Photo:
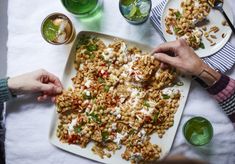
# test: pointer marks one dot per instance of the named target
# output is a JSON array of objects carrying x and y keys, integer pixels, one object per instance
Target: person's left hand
[{"x": 39, "y": 81}]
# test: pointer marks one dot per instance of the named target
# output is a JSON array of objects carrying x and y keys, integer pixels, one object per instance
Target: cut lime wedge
[{"x": 133, "y": 11}]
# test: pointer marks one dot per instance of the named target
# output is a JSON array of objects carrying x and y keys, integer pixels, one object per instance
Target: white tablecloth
[{"x": 27, "y": 121}]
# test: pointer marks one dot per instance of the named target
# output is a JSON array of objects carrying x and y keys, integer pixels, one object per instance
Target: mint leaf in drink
[
  {"x": 50, "y": 30},
  {"x": 133, "y": 11}
]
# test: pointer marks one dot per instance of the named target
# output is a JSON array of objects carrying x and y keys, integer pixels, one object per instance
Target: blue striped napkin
[{"x": 223, "y": 60}]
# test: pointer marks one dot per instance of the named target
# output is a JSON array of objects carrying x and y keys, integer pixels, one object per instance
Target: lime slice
[
  {"x": 50, "y": 30},
  {"x": 133, "y": 11}
]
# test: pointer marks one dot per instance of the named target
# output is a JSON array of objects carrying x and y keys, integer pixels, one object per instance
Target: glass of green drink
[
  {"x": 198, "y": 131},
  {"x": 58, "y": 29},
  {"x": 82, "y": 8},
  {"x": 135, "y": 11}
]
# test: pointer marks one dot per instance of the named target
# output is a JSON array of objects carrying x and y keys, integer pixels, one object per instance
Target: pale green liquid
[
  {"x": 198, "y": 131},
  {"x": 80, "y": 7}
]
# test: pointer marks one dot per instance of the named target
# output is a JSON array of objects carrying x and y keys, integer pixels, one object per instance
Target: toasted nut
[
  {"x": 213, "y": 44},
  {"x": 213, "y": 36},
  {"x": 224, "y": 35}
]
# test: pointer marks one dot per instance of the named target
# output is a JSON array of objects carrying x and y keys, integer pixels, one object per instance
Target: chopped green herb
[
  {"x": 138, "y": 94},
  {"x": 179, "y": 83},
  {"x": 92, "y": 56},
  {"x": 155, "y": 117},
  {"x": 92, "y": 47},
  {"x": 165, "y": 96},
  {"x": 87, "y": 52},
  {"x": 131, "y": 132},
  {"x": 106, "y": 88},
  {"x": 105, "y": 135},
  {"x": 83, "y": 40},
  {"x": 201, "y": 45},
  {"x": 100, "y": 108},
  {"x": 78, "y": 128},
  {"x": 101, "y": 80},
  {"x": 146, "y": 104},
  {"x": 178, "y": 15},
  {"x": 176, "y": 30},
  {"x": 95, "y": 117}
]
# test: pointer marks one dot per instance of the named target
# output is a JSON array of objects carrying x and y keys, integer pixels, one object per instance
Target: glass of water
[
  {"x": 82, "y": 8},
  {"x": 198, "y": 131},
  {"x": 135, "y": 11}
]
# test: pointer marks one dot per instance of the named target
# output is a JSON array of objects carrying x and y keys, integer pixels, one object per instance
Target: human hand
[
  {"x": 180, "y": 55},
  {"x": 39, "y": 81}
]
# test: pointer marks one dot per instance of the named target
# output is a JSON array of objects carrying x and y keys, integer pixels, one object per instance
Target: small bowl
[{"x": 54, "y": 16}]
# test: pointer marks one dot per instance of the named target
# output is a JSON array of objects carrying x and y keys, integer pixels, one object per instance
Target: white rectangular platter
[{"x": 165, "y": 143}]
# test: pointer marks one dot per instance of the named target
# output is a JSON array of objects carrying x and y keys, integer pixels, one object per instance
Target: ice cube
[{"x": 144, "y": 7}]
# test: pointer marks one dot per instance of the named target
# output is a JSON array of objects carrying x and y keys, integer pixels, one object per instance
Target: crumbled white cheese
[
  {"x": 170, "y": 91},
  {"x": 108, "y": 52},
  {"x": 114, "y": 126},
  {"x": 142, "y": 134},
  {"x": 81, "y": 66},
  {"x": 119, "y": 137},
  {"x": 117, "y": 111},
  {"x": 147, "y": 112},
  {"x": 123, "y": 47},
  {"x": 122, "y": 98},
  {"x": 136, "y": 157},
  {"x": 88, "y": 83},
  {"x": 71, "y": 126},
  {"x": 102, "y": 71},
  {"x": 118, "y": 116},
  {"x": 88, "y": 93},
  {"x": 88, "y": 110}
]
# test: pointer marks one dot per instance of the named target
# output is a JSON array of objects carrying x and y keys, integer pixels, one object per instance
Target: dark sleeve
[
  {"x": 5, "y": 93},
  {"x": 224, "y": 92}
]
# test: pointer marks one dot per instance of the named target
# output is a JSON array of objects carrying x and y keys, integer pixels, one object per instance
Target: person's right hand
[{"x": 181, "y": 56}]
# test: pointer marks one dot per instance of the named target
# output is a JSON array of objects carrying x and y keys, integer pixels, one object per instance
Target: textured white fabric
[{"x": 28, "y": 122}]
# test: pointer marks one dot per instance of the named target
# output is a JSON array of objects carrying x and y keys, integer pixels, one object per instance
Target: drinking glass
[
  {"x": 135, "y": 11},
  {"x": 198, "y": 131},
  {"x": 58, "y": 29},
  {"x": 82, "y": 8}
]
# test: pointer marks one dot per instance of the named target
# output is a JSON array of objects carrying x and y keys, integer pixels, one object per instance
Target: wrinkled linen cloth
[{"x": 28, "y": 122}]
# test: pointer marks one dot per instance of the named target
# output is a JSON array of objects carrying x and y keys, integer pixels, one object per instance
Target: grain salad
[
  {"x": 119, "y": 98},
  {"x": 183, "y": 22}
]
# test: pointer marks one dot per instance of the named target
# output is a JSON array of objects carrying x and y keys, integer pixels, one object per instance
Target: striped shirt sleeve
[{"x": 224, "y": 92}]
